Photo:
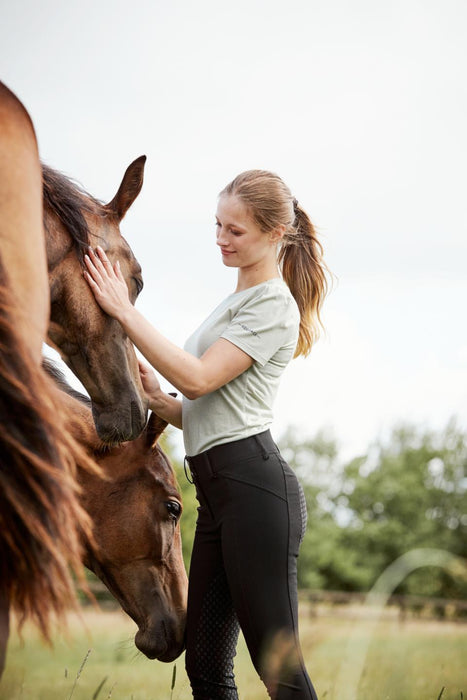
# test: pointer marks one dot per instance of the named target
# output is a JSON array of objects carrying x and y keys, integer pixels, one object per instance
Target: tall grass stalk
[
  {"x": 111, "y": 691},
  {"x": 79, "y": 673},
  {"x": 99, "y": 688},
  {"x": 174, "y": 676}
]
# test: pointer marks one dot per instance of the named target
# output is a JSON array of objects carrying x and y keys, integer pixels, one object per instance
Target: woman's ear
[{"x": 277, "y": 234}]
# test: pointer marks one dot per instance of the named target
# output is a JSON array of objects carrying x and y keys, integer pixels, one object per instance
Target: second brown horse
[{"x": 135, "y": 511}]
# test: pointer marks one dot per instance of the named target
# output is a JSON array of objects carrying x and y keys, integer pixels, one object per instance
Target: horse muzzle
[
  {"x": 164, "y": 641},
  {"x": 116, "y": 424}
]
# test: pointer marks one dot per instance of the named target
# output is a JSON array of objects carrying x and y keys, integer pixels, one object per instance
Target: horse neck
[{"x": 80, "y": 423}]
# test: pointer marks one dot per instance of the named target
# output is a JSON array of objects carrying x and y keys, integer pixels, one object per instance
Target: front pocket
[{"x": 265, "y": 474}]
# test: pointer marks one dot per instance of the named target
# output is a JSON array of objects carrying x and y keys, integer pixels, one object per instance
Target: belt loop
[
  {"x": 185, "y": 462},
  {"x": 264, "y": 452}
]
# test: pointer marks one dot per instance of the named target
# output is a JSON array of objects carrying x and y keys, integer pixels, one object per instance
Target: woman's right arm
[{"x": 192, "y": 376}]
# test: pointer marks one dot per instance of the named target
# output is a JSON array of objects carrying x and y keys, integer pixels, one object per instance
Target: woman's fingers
[
  {"x": 118, "y": 272},
  {"x": 110, "y": 289},
  {"x": 100, "y": 266},
  {"x": 98, "y": 260},
  {"x": 102, "y": 263},
  {"x": 93, "y": 271},
  {"x": 90, "y": 280},
  {"x": 103, "y": 259}
]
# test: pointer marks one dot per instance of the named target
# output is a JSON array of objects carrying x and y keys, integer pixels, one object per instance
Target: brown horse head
[
  {"x": 91, "y": 343},
  {"x": 135, "y": 507},
  {"x": 135, "y": 513}
]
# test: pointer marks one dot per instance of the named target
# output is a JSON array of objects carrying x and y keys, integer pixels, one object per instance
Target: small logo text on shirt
[{"x": 250, "y": 330}]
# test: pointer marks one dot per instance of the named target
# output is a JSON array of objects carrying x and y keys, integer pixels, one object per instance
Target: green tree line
[{"x": 406, "y": 491}]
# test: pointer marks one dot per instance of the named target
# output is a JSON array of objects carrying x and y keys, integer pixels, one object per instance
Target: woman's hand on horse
[
  {"x": 107, "y": 283},
  {"x": 166, "y": 406},
  {"x": 149, "y": 380}
]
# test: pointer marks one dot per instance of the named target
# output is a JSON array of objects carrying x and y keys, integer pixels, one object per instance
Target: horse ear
[
  {"x": 129, "y": 189},
  {"x": 156, "y": 426},
  {"x": 154, "y": 429}
]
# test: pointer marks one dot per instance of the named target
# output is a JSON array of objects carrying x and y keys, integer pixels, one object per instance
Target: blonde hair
[{"x": 300, "y": 258}]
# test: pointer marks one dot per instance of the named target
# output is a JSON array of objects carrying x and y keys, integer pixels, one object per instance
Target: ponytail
[{"x": 301, "y": 263}]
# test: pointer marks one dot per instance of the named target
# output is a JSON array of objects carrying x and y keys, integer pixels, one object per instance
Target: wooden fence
[{"x": 407, "y": 605}]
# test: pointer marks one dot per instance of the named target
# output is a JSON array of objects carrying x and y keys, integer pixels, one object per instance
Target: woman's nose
[{"x": 220, "y": 236}]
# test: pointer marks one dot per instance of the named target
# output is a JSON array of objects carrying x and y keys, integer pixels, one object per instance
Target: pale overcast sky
[{"x": 360, "y": 106}]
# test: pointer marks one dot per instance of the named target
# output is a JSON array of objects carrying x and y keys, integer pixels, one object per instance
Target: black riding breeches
[{"x": 243, "y": 571}]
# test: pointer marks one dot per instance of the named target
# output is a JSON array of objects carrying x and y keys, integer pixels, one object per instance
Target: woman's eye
[{"x": 174, "y": 509}]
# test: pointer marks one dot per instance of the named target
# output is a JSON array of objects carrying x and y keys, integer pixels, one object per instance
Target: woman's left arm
[{"x": 192, "y": 376}]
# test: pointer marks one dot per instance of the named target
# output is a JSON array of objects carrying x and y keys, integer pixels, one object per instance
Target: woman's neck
[{"x": 250, "y": 277}]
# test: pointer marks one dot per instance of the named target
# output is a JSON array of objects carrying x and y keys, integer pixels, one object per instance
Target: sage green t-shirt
[{"x": 262, "y": 321}]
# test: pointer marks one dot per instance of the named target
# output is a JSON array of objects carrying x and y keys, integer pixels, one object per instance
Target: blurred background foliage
[{"x": 408, "y": 490}]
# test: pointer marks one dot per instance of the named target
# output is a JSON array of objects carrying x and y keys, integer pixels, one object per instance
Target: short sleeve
[{"x": 264, "y": 323}]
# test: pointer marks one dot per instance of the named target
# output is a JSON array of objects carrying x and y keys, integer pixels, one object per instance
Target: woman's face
[{"x": 241, "y": 241}]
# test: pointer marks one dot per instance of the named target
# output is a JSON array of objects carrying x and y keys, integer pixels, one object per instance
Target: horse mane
[
  {"x": 59, "y": 378},
  {"x": 67, "y": 200},
  {"x": 41, "y": 518}
]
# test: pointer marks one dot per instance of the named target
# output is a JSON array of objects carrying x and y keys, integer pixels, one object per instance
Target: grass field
[{"x": 412, "y": 660}]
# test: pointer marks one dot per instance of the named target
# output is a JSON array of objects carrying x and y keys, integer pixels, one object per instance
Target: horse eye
[
  {"x": 174, "y": 508},
  {"x": 139, "y": 284}
]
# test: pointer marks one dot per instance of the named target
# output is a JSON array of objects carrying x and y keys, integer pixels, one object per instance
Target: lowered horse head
[
  {"x": 91, "y": 343},
  {"x": 135, "y": 511}
]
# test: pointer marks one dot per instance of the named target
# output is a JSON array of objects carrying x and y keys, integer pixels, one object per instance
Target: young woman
[{"x": 252, "y": 513}]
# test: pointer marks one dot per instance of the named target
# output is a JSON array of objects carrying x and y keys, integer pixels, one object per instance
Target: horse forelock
[{"x": 68, "y": 201}]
